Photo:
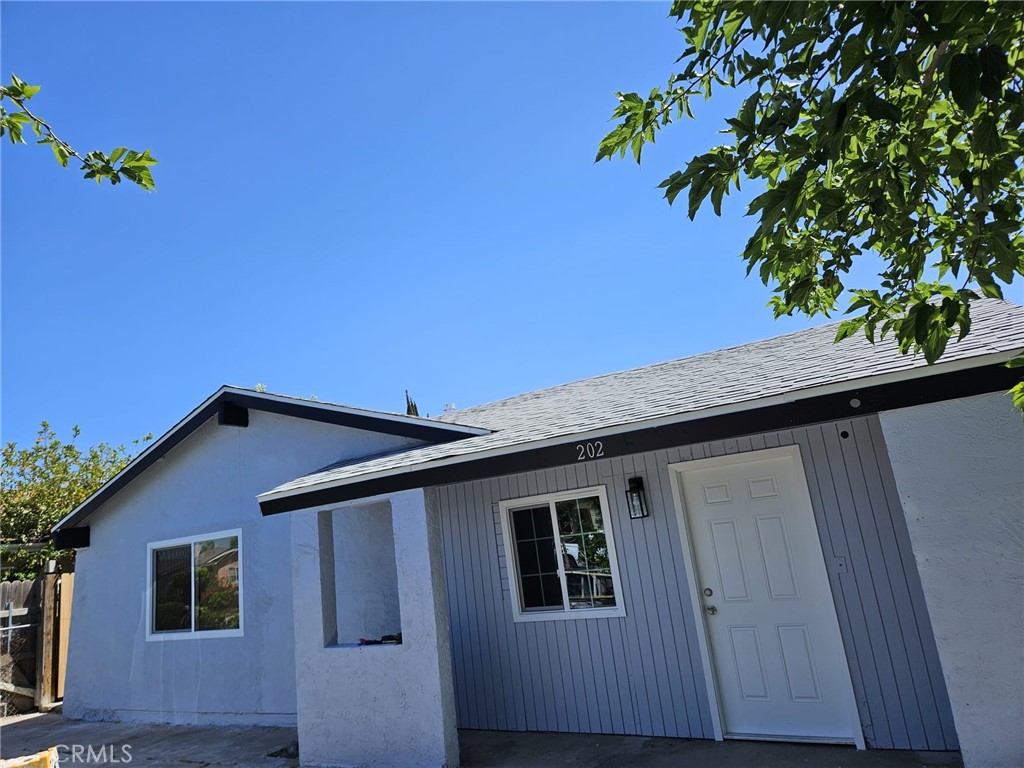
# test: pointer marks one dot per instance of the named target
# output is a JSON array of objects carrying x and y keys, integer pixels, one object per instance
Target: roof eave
[
  {"x": 357, "y": 418},
  {"x": 274, "y": 501}
]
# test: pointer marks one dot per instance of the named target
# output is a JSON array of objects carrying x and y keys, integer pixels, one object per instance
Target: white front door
[{"x": 775, "y": 647}]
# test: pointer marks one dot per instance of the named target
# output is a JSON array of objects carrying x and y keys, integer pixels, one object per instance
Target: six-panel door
[{"x": 775, "y": 643}]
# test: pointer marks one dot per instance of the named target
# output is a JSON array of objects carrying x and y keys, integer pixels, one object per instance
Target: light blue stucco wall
[
  {"x": 373, "y": 706},
  {"x": 959, "y": 468},
  {"x": 207, "y": 483}
]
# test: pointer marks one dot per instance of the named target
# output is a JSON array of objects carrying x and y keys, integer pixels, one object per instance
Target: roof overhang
[
  {"x": 916, "y": 386},
  {"x": 232, "y": 404}
]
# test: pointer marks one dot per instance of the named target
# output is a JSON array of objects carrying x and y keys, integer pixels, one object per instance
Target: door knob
[{"x": 710, "y": 610}]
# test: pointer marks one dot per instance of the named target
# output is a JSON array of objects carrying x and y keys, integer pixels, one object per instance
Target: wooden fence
[{"x": 35, "y": 618}]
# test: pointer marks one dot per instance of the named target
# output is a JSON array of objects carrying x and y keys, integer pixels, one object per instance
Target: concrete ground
[
  {"x": 496, "y": 749},
  {"x": 177, "y": 746},
  {"x": 167, "y": 746}
]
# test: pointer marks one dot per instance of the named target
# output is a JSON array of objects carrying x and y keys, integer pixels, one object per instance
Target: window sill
[
  {"x": 362, "y": 646},
  {"x": 207, "y": 635},
  {"x": 619, "y": 612}
]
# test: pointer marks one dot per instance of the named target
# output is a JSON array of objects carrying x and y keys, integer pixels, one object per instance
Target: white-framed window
[
  {"x": 561, "y": 556},
  {"x": 194, "y": 586}
]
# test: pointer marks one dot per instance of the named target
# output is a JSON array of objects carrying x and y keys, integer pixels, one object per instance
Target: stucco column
[
  {"x": 376, "y": 705},
  {"x": 959, "y": 468}
]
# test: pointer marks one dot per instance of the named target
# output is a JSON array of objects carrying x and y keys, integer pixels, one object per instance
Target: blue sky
[{"x": 352, "y": 200}]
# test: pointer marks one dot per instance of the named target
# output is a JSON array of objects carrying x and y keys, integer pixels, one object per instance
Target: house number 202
[{"x": 593, "y": 450}]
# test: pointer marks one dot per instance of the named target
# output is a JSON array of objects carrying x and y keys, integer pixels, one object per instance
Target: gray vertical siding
[{"x": 642, "y": 674}]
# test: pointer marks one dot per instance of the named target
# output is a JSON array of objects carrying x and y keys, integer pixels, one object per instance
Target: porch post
[{"x": 372, "y": 705}]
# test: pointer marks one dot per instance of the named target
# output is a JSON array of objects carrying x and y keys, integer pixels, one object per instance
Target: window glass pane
[
  {"x": 522, "y": 521},
  {"x": 594, "y": 552},
  {"x": 568, "y": 518},
  {"x": 528, "y": 562},
  {"x": 579, "y": 515},
  {"x": 552, "y": 590},
  {"x": 591, "y": 518},
  {"x": 172, "y": 589},
  {"x": 571, "y": 553},
  {"x": 590, "y": 585},
  {"x": 547, "y": 556},
  {"x": 533, "y": 592},
  {"x": 536, "y": 558},
  {"x": 216, "y": 578},
  {"x": 542, "y": 522}
]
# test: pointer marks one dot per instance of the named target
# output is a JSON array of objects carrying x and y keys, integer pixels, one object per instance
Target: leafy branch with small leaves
[
  {"x": 42, "y": 483},
  {"x": 894, "y": 128},
  {"x": 121, "y": 164}
]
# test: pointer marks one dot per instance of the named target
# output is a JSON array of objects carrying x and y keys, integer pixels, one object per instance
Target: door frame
[{"x": 676, "y": 471}]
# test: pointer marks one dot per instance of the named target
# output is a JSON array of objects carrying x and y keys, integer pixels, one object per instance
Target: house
[
  {"x": 145, "y": 644},
  {"x": 785, "y": 540}
]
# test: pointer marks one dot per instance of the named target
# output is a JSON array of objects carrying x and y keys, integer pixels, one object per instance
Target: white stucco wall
[
  {"x": 365, "y": 574},
  {"x": 207, "y": 483},
  {"x": 376, "y": 706},
  {"x": 959, "y": 468}
]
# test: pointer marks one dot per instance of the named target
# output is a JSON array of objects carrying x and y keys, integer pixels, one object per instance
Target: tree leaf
[
  {"x": 848, "y": 328},
  {"x": 60, "y": 153},
  {"x": 994, "y": 69},
  {"x": 717, "y": 192},
  {"x": 1017, "y": 395},
  {"x": 985, "y": 138},
  {"x": 965, "y": 80},
  {"x": 829, "y": 201},
  {"x": 988, "y": 286},
  {"x": 673, "y": 185},
  {"x": 879, "y": 109}
]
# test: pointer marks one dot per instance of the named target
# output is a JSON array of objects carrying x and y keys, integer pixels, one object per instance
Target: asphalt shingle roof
[{"x": 749, "y": 373}]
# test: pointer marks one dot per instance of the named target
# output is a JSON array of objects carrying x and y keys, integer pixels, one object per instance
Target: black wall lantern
[{"x": 635, "y": 498}]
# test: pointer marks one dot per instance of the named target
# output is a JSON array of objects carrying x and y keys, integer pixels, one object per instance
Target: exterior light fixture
[{"x": 635, "y": 498}]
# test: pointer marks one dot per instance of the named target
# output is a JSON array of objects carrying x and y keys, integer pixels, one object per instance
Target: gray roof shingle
[{"x": 746, "y": 374}]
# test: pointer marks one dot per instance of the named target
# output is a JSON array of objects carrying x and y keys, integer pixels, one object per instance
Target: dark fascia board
[
  {"x": 71, "y": 538},
  {"x": 415, "y": 428},
  {"x": 815, "y": 410},
  {"x": 232, "y": 401}
]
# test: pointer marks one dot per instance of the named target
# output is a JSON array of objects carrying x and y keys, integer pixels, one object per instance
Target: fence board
[
  {"x": 67, "y": 589},
  {"x": 23, "y": 596},
  {"x": 33, "y": 656}
]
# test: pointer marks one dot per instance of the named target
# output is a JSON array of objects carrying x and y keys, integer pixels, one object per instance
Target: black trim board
[
  {"x": 232, "y": 415},
  {"x": 229, "y": 408},
  {"x": 72, "y": 538},
  {"x": 314, "y": 412},
  {"x": 813, "y": 410}
]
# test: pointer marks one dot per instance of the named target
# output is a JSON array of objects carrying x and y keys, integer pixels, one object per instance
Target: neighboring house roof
[
  {"x": 784, "y": 369},
  {"x": 233, "y": 401}
]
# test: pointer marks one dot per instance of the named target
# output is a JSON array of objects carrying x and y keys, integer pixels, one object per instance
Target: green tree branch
[
  {"x": 894, "y": 128},
  {"x": 121, "y": 163},
  {"x": 41, "y": 484}
]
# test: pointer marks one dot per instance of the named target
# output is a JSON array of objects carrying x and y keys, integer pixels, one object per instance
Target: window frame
[
  {"x": 519, "y": 614},
  {"x": 192, "y": 633}
]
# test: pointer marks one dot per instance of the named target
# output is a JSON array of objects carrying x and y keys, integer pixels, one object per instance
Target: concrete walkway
[
  {"x": 177, "y": 746},
  {"x": 495, "y": 749},
  {"x": 167, "y": 746}
]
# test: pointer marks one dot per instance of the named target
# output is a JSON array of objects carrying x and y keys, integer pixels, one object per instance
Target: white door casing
[{"x": 773, "y": 653}]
